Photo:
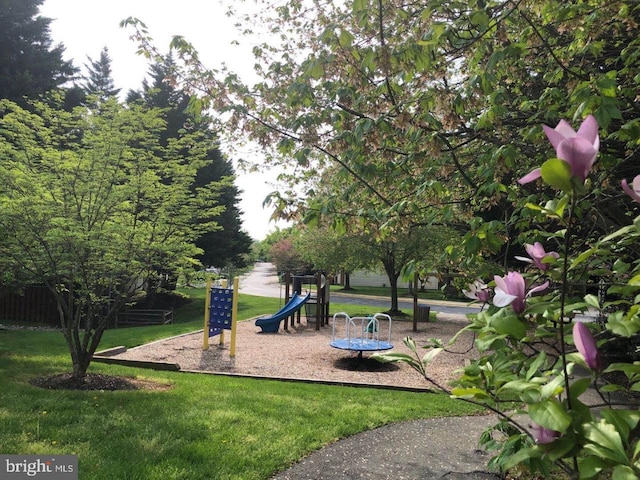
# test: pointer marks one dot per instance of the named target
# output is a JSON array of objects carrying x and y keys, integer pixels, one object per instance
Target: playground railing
[{"x": 357, "y": 331}]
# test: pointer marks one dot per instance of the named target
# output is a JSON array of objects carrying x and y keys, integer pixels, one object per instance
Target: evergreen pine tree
[
  {"x": 98, "y": 83},
  {"x": 29, "y": 64},
  {"x": 229, "y": 244}
]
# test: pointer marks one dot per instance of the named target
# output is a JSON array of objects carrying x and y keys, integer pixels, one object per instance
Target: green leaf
[
  {"x": 623, "y": 420},
  {"x": 624, "y": 327},
  {"x": 533, "y": 206},
  {"x": 557, "y": 207},
  {"x": 557, "y": 173},
  {"x": 628, "y": 368},
  {"x": 591, "y": 466},
  {"x": 607, "y": 84},
  {"x": 393, "y": 357},
  {"x": 539, "y": 363},
  {"x": 561, "y": 447},
  {"x": 550, "y": 414},
  {"x": 410, "y": 343},
  {"x": 469, "y": 393},
  {"x": 576, "y": 358},
  {"x": 495, "y": 58},
  {"x": 578, "y": 387},
  {"x": 315, "y": 69},
  {"x": 479, "y": 18},
  {"x": 521, "y": 456},
  {"x": 553, "y": 388},
  {"x": 531, "y": 396},
  {"x": 583, "y": 256},
  {"x": 430, "y": 355},
  {"x": 489, "y": 341},
  {"x": 622, "y": 231},
  {"x": 345, "y": 39},
  {"x": 509, "y": 325},
  {"x": 609, "y": 388},
  {"x": 624, "y": 472},
  {"x": 605, "y": 442},
  {"x": 592, "y": 301},
  {"x": 359, "y": 5},
  {"x": 518, "y": 386},
  {"x": 620, "y": 266}
]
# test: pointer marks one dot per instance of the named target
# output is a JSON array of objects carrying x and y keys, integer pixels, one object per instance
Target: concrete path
[
  {"x": 439, "y": 448},
  {"x": 262, "y": 281}
]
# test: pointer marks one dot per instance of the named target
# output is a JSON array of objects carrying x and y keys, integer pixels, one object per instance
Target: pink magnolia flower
[
  {"x": 634, "y": 190},
  {"x": 511, "y": 290},
  {"x": 478, "y": 290},
  {"x": 543, "y": 435},
  {"x": 586, "y": 345},
  {"x": 579, "y": 149},
  {"x": 537, "y": 254}
]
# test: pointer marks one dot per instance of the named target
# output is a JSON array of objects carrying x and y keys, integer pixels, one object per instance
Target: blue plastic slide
[{"x": 272, "y": 324}]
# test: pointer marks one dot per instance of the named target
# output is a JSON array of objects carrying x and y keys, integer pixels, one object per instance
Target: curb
[{"x": 173, "y": 367}]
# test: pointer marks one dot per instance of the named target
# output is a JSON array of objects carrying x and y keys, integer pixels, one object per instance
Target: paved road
[{"x": 263, "y": 281}]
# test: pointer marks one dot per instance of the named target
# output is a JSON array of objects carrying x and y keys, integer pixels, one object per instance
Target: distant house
[{"x": 366, "y": 278}]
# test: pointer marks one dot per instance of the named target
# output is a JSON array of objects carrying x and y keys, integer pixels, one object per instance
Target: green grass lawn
[{"x": 204, "y": 427}]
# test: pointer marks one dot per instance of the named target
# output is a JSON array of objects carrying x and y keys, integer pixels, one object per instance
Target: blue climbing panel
[{"x": 220, "y": 310}]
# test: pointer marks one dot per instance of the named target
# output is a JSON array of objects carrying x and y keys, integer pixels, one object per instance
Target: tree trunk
[
  {"x": 389, "y": 263},
  {"x": 393, "y": 281},
  {"x": 83, "y": 346},
  {"x": 347, "y": 281},
  {"x": 83, "y": 324},
  {"x": 81, "y": 365}
]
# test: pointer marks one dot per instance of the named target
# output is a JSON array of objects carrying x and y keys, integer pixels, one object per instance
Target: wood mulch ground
[{"x": 302, "y": 352}]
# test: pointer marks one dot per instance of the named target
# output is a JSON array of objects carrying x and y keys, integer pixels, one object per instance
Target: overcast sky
[{"x": 86, "y": 26}]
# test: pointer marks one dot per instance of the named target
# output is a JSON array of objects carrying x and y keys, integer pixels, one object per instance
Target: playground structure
[
  {"x": 319, "y": 298},
  {"x": 316, "y": 295},
  {"x": 272, "y": 324},
  {"x": 221, "y": 312},
  {"x": 360, "y": 334}
]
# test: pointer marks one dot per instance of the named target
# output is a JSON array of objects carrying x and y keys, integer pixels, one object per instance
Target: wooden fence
[
  {"x": 35, "y": 304},
  {"x": 139, "y": 317}
]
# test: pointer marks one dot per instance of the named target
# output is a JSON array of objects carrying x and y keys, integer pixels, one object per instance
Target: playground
[{"x": 302, "y": 352}]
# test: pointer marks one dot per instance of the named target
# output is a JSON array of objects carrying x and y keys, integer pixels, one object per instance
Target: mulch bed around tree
[{"x": 96, "y": 381}]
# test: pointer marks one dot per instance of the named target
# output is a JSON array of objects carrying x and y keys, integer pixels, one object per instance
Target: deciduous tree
[
  {"x": 433, "y": 108},
  {"x": 335, "y": 252},
  {"x": 91, "y": 206}
]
